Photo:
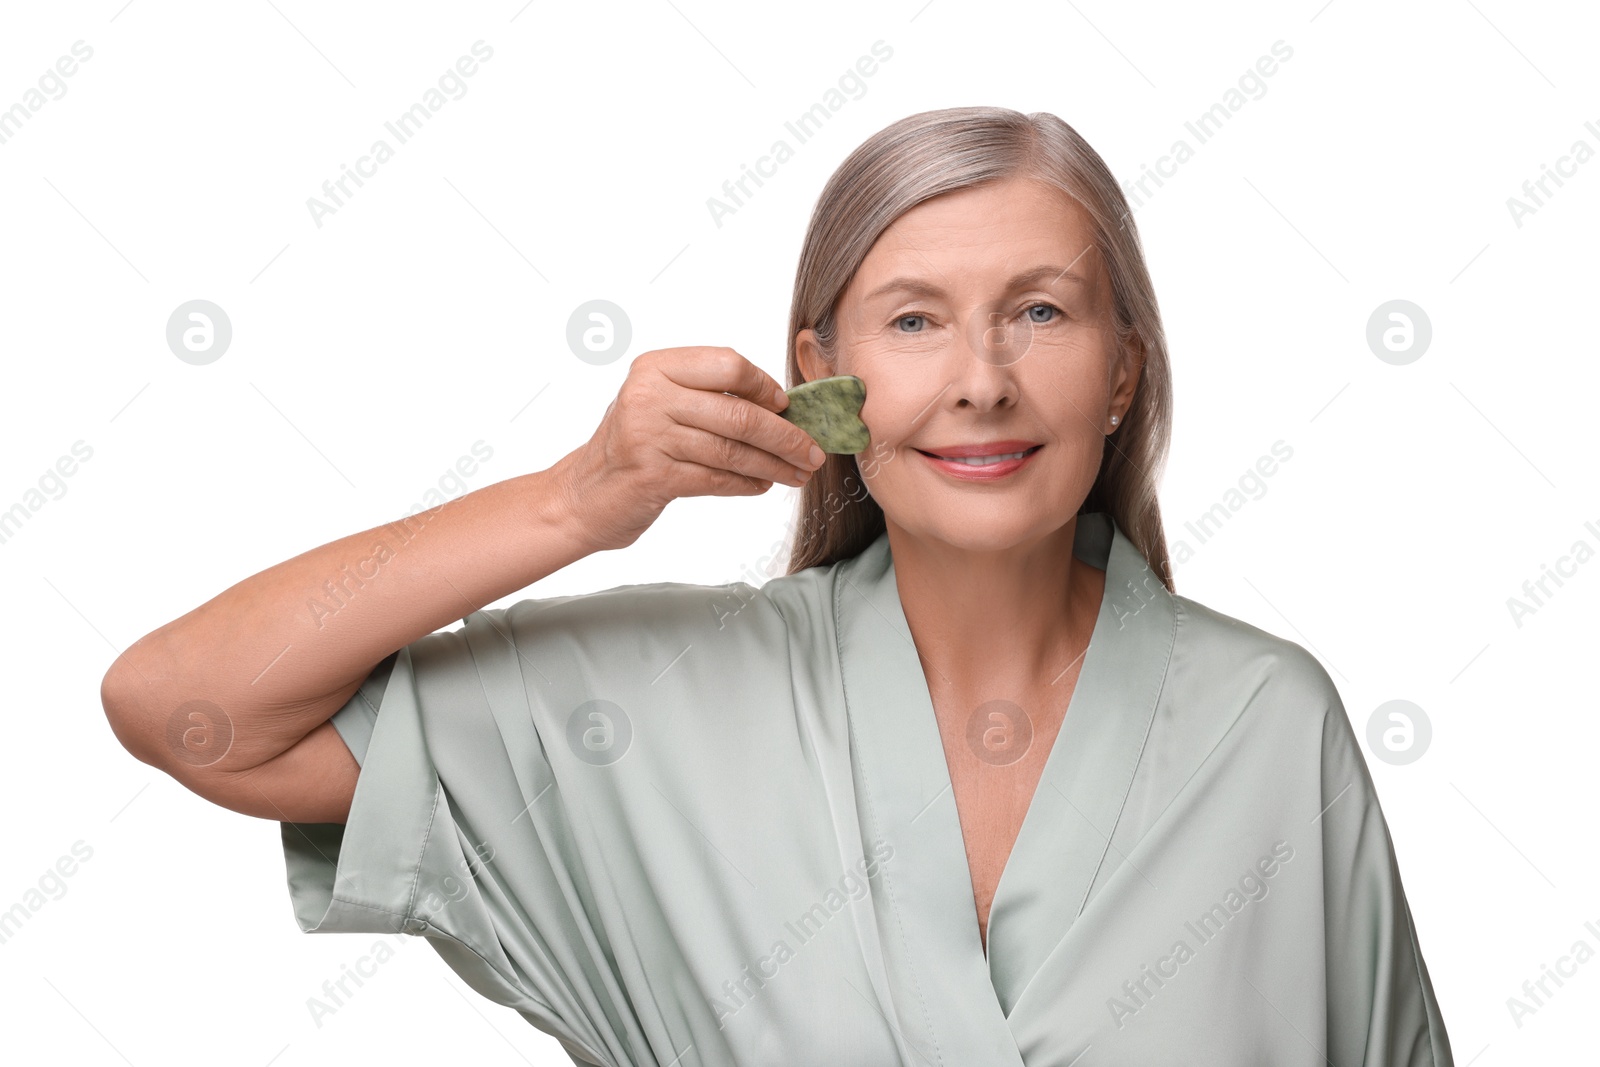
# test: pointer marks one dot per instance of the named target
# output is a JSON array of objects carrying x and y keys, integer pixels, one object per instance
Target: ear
[
  {"x": 1125, "y": 376},
  {"x": 808, "y": 354}
]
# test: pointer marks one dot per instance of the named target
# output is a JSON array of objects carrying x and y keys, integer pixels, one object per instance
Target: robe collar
[{"x": 960, "y": 998}]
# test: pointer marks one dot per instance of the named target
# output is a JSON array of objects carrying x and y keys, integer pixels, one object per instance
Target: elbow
[
  {"x": 126, "y": 698},
  {"x": 161, "y": 729}
]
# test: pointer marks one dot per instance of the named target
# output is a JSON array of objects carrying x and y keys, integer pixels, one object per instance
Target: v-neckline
[
  {"x": 907, "y": 795},
  {"x": 1050, "y": 760}
]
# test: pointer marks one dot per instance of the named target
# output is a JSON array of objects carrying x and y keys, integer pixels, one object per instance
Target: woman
[{"x": 970, "y": 784}]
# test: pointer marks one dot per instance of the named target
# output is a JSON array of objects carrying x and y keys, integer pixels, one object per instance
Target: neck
[{"x": 1000, "y": 621}]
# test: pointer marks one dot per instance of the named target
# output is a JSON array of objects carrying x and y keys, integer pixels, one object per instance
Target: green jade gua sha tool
[{"x": 829, "y": 409}]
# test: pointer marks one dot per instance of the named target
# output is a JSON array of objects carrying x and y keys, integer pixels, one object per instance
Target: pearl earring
[{"x": 1114, "y": 419}]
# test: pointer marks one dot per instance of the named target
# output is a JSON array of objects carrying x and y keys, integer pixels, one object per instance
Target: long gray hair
[{"x": 934, "y": 152}]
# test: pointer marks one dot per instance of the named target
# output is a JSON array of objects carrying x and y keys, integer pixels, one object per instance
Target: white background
[{"x": 369, "y": 354}]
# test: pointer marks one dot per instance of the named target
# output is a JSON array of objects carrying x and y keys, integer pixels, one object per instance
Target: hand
[{"x": 673, "y": 430}]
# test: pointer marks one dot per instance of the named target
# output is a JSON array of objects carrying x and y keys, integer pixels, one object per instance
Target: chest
[{"x": 995, "y": 751}]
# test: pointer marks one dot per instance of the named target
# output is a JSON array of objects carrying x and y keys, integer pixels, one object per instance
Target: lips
[
  {"x": 987, "y": 448},
  {"x": 988, "y": 466},
  {"x": 990, "y": 460}
]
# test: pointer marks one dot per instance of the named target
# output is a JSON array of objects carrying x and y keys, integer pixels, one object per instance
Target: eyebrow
[{"x": 920, "y": 287}]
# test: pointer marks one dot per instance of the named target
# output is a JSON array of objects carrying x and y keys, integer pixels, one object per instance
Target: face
[{"x": 982, "y": 318}]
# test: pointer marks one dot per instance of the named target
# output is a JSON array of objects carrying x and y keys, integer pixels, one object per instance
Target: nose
[{"x": 983, "y": 370}]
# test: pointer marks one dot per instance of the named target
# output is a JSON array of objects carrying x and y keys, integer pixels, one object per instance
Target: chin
[{"x": 985, "y": 529}]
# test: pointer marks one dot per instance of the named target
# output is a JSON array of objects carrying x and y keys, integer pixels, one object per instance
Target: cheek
[
  {"x": 892, "y": 407},
  {"x": 892, "y": 398},
  {"x": 1067, "y": 375}
]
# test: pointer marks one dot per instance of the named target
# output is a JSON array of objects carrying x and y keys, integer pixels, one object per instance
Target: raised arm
[{"x": 233, "y": 698}]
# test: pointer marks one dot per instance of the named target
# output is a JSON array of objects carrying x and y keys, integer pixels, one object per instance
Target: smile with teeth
[{"x": 984, "y": 461}]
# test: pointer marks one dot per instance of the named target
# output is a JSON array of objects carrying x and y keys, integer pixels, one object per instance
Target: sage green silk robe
[{"x": 708, "y": 825}]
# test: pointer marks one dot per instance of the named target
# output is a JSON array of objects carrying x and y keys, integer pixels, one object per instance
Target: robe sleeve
[
  {"x": 1381, "y": 1006},
  {"x": 457, "y": 834}
]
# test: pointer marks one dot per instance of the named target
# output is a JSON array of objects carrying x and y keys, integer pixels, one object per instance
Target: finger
[
  {"x": 722, "y": 370},
  {"x": 692, "y": 445},
  {"x": 714, "y": 481},
  {"x": 736, "y": 419},
  {"x": 727, "y": 483}
]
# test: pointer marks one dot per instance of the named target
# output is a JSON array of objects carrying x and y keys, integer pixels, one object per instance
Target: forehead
[{"x": 992, "y": 228}]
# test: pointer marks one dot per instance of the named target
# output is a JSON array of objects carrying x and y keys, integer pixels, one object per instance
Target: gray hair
[{"x": 922, "y": 156}]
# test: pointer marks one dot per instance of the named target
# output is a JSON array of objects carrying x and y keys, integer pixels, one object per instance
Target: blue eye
[
  {"x": 1050, "y": 307},
  {"x": 903, "y": 318}
]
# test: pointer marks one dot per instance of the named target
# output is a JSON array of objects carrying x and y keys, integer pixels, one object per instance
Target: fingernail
[{"x": 817, "y": 455}]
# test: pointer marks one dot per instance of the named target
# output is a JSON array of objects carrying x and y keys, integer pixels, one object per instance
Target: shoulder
[
  {"x": 1234, "y": 653},
  {"x": 648, "y": 603},
  {"x": 683, "y": 610}
]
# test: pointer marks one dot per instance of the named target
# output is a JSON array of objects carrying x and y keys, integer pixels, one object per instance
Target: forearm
[{"x": 282, "y": 650}]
